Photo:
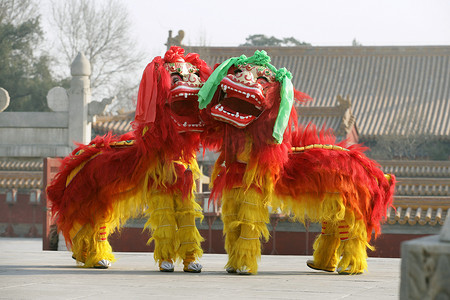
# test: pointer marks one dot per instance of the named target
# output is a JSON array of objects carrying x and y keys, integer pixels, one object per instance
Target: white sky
[{"x": 319, "y": 22}]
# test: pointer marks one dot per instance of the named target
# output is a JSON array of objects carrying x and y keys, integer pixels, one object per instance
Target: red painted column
[{"x": 51, "y": 168}]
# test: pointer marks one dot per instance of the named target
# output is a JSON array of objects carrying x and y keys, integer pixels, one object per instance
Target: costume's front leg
[
  {"x": 231, "y": 228},
  {"x": 162, "y": 223},
  {"x": 252, "y": 218},
  {"x": 353, "y": 248},
  {"x": 325, "y": 248},
  {"x": 190, "y": 250},
  {"x": 90, "y": 244}
]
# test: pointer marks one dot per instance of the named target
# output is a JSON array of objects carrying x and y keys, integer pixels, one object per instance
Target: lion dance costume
[
  {"x": 150, "y": 170},
  {"x": 267, "y": 160}
]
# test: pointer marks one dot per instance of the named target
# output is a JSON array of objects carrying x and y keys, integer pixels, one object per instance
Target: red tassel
[{"x": 188, "y": 182}]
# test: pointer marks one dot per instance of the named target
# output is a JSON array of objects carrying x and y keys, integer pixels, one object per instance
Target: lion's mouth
[
  {"x": 184, "y": 110},
  {"x": 239, "y": 104}
]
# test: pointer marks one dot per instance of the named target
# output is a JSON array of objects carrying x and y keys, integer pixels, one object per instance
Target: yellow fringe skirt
[
  {"x": 245, "y": 217},
  {"x": 171, "y": 221}
]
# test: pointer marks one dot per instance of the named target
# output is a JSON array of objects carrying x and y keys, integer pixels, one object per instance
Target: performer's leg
[
  {"x": 190, "y": 250},
  {"x": 162, "y": 223},
  {"x": 325, "y": 246},
  {"x": 90, "y": 245},
  {"x": 231, "y": 229},
  {"x": 252, "y": 218},
  {"x": 79, "y": 246},
  {"x": 353, "y": 236}
]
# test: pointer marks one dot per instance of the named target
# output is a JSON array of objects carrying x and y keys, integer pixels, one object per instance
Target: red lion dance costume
[
  {"x": 267, "y": 161},
  {"x": 151, "y": 170}
]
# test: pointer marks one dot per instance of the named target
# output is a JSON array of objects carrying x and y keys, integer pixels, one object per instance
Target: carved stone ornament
[
  {"x": 57, "y": 99},
  {"x": 4, "y": 99}
]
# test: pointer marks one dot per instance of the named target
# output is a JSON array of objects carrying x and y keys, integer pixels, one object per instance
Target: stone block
[{"x": 425, "y": 269}]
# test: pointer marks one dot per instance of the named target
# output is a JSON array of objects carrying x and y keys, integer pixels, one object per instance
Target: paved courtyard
[{"x": 27, "y": 272}]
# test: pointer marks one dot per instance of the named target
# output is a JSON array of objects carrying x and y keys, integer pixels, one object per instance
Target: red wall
[
  {"x": 22, "y": 212},
  {"x": 287, "y": 243},
  {"x": 134, "y": 240}
]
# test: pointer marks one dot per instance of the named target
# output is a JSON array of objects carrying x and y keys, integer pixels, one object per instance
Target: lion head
[
  {"x": 168, "y": 90},
  {"x": 250, "y": 97},
  {"x": 167, "y": 106}
]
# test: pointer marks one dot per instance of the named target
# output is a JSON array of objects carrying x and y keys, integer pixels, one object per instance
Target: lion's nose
[{"x": 192, "y": 78}]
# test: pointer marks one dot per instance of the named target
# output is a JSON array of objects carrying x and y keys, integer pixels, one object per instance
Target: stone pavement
[{"x": 27, "y": 272}]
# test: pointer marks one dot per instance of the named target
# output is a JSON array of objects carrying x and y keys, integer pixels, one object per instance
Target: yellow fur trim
[
  {"x": 131, "y": 202},
  {"x": 325, "y": 251},
  {"x": 245, "y": 216},
  {"x": 328, "y": 247},
  {"x": 74, "y": 231},
  {"x": 187, "y": 211},
  {"x": 331, "y": 208},
  {"x": 162, "y": 224},
  {"x": 325, "y": 247},
  {"x": 88, "y": 248},
  {"x": 171, "y": 221},
  {"x": 347, "y": 254},
  {"x": 353, "y": 250}
]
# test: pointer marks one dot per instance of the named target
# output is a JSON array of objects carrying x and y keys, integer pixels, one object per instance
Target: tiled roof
[
  {"x": 394, "y": 90},
  {"x": 118, "y": 124},
  {"x": 21, "y": 165},
  {"x": 20, "y": 179},
  {"x": 339, "y": 117},
  {"x": 414, "y": 168},
  {"x": 422, "y": 211},
  {"x": 423, "y": 186},
  {"x": 21, "y": 174}
]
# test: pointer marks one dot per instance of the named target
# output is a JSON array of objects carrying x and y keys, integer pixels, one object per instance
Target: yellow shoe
[{"x": 310, "y": 263}]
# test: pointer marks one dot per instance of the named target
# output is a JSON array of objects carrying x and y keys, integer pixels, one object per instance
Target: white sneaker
[
  {"x": 193, "y": 267},
  {"x": 244, "y": 271},
  {"x": 103, "y": 264},
  {"x": 347, "y": 271},
  {"x": 166, "y": 266}
]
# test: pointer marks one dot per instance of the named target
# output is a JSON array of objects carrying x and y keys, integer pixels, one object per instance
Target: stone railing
[
  {"x": 41, "y": 134},
  {"x": 423, "y": 187}
]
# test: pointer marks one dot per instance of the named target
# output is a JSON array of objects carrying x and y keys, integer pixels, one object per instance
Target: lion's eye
[
  {"x": 176, "y": 77},
  {"x": 237, "y": 71},
  {"x": 262, "y": 80}
]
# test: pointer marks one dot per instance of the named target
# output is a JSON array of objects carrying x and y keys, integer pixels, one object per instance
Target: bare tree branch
[
  {"x": 17, "y": 11},
  {"x": 101, "y": 31}
]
